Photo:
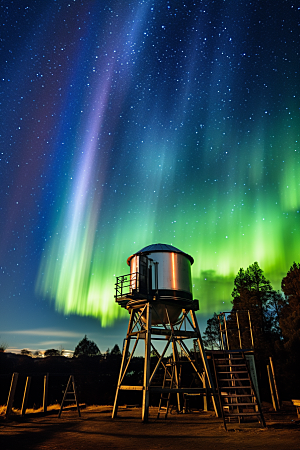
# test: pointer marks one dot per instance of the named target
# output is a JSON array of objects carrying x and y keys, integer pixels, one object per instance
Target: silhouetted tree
[
  {"x": 272, "y": 312},
  {"x": 211, "y": 336},
  {"x": 115, "y": 350},
  {"x": 25, "y": 351},
  {"x": 87, "y": 348},
  {"x": 3, "y": 346},
  {"x": 289, "y": 317},
  {"x": 253, "y": 292},
  {"x": 52, "y": 352}
]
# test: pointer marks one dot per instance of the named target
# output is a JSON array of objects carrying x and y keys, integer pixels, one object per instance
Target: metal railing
[{"x": 126, "y": 284}]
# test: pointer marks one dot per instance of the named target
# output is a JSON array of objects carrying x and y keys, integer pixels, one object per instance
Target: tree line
[{"x": 85, "y": 347}]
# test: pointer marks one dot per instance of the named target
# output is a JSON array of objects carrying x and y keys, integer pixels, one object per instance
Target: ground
[{"x": 197, "y": 430}]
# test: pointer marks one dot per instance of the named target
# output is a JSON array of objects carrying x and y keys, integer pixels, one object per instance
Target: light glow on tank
[{"x": 173, "y": 265}]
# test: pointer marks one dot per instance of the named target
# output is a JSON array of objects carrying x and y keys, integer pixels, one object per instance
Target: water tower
[{"x": 158, "y": 295}]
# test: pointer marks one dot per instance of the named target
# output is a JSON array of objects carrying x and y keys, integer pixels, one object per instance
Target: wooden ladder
[
  {"x": 164, "y": 402},
  {"x": 237, "y": 397},
  {"x": 70, "y": 395}
]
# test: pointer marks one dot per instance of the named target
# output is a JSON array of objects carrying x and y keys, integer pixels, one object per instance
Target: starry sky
[{"x": 129, "y": 123}]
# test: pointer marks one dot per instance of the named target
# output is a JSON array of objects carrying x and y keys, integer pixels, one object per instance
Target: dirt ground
[{"x": 197, "y": 430}]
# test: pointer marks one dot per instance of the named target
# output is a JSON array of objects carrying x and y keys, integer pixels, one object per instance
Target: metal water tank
[{"x": 163, "y": 272}]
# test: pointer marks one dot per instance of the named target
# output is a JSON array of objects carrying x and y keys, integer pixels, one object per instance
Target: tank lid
[{"x": 159, "y": 248}]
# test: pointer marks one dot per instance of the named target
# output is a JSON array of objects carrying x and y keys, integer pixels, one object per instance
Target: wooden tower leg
[
  {"x": 205, "y": 362},
  {"x": 175, "y": 362},
  {"x": 145, "y": 406},
  {"x": 123, "y": 363}
]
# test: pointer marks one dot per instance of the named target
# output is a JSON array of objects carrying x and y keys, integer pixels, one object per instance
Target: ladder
[
  {"x": 237, "y": 397},
  {"x": 168, "y": 383},
  {"x": 70, "y": 395}
]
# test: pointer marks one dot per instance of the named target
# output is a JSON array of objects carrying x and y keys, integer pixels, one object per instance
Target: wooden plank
[
  {"x": 178, "y": 390},
  {"x": 271, "y": 388},
  {"x": 274, "y": 381},
  {"x": 177, "y": 333},
  {"x": 123, "y": 387},
  {"x": 45, "y": 393},
  {"x": 11, "y": 395},
  {"x": 240, "y": 414},
  {"x": 25, "y": 396},
  {"x": 205, "y": 402}
]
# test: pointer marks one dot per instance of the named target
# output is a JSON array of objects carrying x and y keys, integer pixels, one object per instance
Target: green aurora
[
  {"x": 223, "y": 231},
  {"x": 188, "y": 135}
]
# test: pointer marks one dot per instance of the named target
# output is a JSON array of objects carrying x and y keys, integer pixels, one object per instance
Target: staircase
[{"x": 237, "y": 397}]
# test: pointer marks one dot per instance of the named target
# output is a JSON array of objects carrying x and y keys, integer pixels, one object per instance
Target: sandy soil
[{"x": 96, "y": 430}]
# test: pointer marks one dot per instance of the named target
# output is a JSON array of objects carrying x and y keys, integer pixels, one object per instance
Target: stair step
[
  {"x": 229, "y": 359},
  {"x": 236, "y": 395},
  {"x": 230, "y": 362},
  {"x": 232, "y": 372},
  {"x": 235, "y": 405},
  {"x": 233, "y": 379},
  {"x": 240, "y": 414},
  {"x": 234, "y": 387}
]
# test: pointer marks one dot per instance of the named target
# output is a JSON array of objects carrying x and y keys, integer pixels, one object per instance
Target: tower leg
[
  {"x": 145, "y": 406},
  {"x": 205, "y": 362},
  {"x": 175, "y": 362},
  {"x": 123, "y": 363}
]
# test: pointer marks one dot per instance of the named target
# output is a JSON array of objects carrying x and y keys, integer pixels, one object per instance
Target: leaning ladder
[
  {"x": 70, "y": 395},
  {"x": 168, "y": 382}
]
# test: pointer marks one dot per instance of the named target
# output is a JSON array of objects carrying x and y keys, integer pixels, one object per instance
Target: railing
[
  {"x": 236, "y": 329},
  {"x": 125, "y": 284}
]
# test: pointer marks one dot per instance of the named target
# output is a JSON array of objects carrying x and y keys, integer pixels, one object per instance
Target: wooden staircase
[{"x": 237, "y": 397}]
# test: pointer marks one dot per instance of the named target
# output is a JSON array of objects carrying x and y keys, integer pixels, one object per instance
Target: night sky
[{"x": 130, "y": 123}]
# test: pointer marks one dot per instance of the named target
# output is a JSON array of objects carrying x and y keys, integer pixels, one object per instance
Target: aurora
[{"x": 148, "y": 122}]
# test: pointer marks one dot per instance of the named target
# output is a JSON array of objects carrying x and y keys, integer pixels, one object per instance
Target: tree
[
  {"x": 52, "y": 352},
  {"x": 253, "y": 292},
  {"x": 3, "y": 347},
  {"x": 251, "y": 287},
  {"x": 25, "y": 351},
  {"x": 289, "y": 316},
  {"x": 87, "y": 348},
  {"x": 272, "y": 312},
  {"x": 211, "y": 336},
  {"x": 115, "y": 350}
]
